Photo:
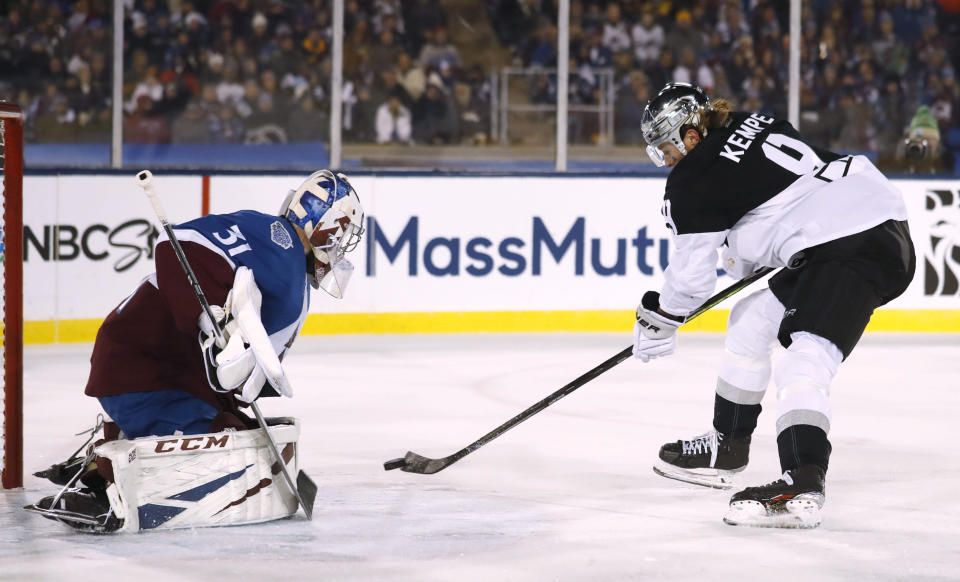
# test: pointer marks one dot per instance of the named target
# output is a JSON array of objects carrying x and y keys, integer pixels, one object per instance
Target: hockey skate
[
  {"x": 62, "y": 473},
  {"x": 82, "y": 460},
  {"x": 793, "y": 501},
  {"x": 710, "y": 459},
  {"x": 83, "y": 509},
  {"x": 82, "y": 503}
]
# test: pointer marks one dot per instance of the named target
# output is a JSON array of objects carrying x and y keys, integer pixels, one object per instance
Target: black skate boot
[
  {"x": 83, "y": 509},
  {"x": 710, "y": 459},
  {"x": 65, "y": 472},
  {"x": 793, "y": 501},
  {"x": 82, "y": 462}
]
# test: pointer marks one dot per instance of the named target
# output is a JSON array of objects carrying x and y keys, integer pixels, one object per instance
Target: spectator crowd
[
  {"x": 239, "y": 71},
  {"x": 258, "y": 71},
  {"x": 866, "y": 65}
]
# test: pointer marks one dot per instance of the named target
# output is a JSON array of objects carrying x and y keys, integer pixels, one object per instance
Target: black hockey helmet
[{"x": 676, "y": 105}]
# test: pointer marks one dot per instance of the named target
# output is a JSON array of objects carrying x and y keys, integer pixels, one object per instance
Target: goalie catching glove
[
  {"x": 238, "y": 363},
  {"x": 654, "y": 333}
]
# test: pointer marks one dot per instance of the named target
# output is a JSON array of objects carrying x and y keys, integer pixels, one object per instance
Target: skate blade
[
  {"x": 796, "y": 514},
  {"x": 714, "y": 478},
  {"x": 62, "y": 515}
]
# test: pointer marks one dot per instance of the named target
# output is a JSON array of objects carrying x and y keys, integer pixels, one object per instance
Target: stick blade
[
  {"x": 394, "y": 464},
  {"x": 308, "y": 492},
  {"x": 414, "y": 463}
]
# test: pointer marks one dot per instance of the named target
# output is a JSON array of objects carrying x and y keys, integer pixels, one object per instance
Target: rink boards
[{"x": 441, "y": 253}]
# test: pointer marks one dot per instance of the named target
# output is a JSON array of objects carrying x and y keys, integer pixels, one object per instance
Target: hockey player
[
  {"x": 749, "y": 185},
  {"x": 156, "y": 369}
]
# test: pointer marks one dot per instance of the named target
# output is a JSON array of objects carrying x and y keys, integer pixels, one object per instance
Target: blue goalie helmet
[
  {"x": 676, "y": 106},
  {"x": 328, "y": 211}
]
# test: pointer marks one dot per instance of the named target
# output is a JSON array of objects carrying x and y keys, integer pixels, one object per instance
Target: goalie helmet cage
[{"x": 11, "y": 298}]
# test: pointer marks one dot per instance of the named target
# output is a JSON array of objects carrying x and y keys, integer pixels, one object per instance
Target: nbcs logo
[{"x": 126, "y": 242}]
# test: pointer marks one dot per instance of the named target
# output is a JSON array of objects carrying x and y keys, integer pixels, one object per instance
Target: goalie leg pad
[{"x": 212, "y": 479}]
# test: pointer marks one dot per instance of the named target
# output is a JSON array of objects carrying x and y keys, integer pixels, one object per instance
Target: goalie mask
[
  {"x": 327, "y": 209},
  {"x": 667, "y": 116}
]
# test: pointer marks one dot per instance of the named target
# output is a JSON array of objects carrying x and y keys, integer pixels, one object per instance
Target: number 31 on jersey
[{"x": 234, "y": 240}]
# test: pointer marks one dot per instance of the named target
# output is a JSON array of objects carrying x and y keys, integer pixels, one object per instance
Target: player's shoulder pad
[{"x": 234, "y": 232}]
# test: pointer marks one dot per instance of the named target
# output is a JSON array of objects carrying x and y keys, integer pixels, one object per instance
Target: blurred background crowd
[{"x": 425, "y": 71}]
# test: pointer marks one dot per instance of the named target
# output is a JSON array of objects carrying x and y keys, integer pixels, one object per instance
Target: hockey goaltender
[{"x": 179, "y": 451}]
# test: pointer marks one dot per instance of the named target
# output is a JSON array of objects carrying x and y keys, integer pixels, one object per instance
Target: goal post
[{"x": 11, "y": 301}]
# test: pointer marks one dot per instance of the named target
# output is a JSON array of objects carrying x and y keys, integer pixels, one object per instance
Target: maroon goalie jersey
[{"x": 149, "y": 341}]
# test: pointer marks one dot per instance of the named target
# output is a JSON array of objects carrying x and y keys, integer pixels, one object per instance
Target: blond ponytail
[{"x": 716, "y": 116}]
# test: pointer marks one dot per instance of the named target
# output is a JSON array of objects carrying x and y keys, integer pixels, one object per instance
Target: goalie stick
[
  {"x": 304, "y": 489},
  {"x": 414, "y": 463}
]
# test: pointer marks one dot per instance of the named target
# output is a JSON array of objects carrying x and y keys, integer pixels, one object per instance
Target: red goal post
[{"x": 11, "y": 302}]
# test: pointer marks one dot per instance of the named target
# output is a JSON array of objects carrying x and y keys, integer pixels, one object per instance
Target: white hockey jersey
[{"x": 757, "y": 187}]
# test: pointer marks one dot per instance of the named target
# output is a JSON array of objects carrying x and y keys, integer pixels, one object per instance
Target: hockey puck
[{"x": 394, "y": 464}]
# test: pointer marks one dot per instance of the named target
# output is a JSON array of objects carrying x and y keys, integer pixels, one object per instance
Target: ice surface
[{"x": 567, "y": 495}]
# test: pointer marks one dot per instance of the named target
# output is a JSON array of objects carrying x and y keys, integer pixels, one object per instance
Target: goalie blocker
[{"x": 185, "y": 481}]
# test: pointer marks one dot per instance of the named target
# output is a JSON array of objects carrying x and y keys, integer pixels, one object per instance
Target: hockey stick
[
  {"x": 414, "y": 463},
  {"x": 305, "y": 489}
]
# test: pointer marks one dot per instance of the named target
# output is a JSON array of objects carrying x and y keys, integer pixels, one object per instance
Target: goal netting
[{"x": 11, "y": 297}]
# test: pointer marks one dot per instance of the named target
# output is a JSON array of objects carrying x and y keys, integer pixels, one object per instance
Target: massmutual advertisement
[{"x": 446, "y": 253}]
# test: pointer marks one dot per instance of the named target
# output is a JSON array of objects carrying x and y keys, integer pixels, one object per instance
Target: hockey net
[{"x": 11, "y": 296}]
